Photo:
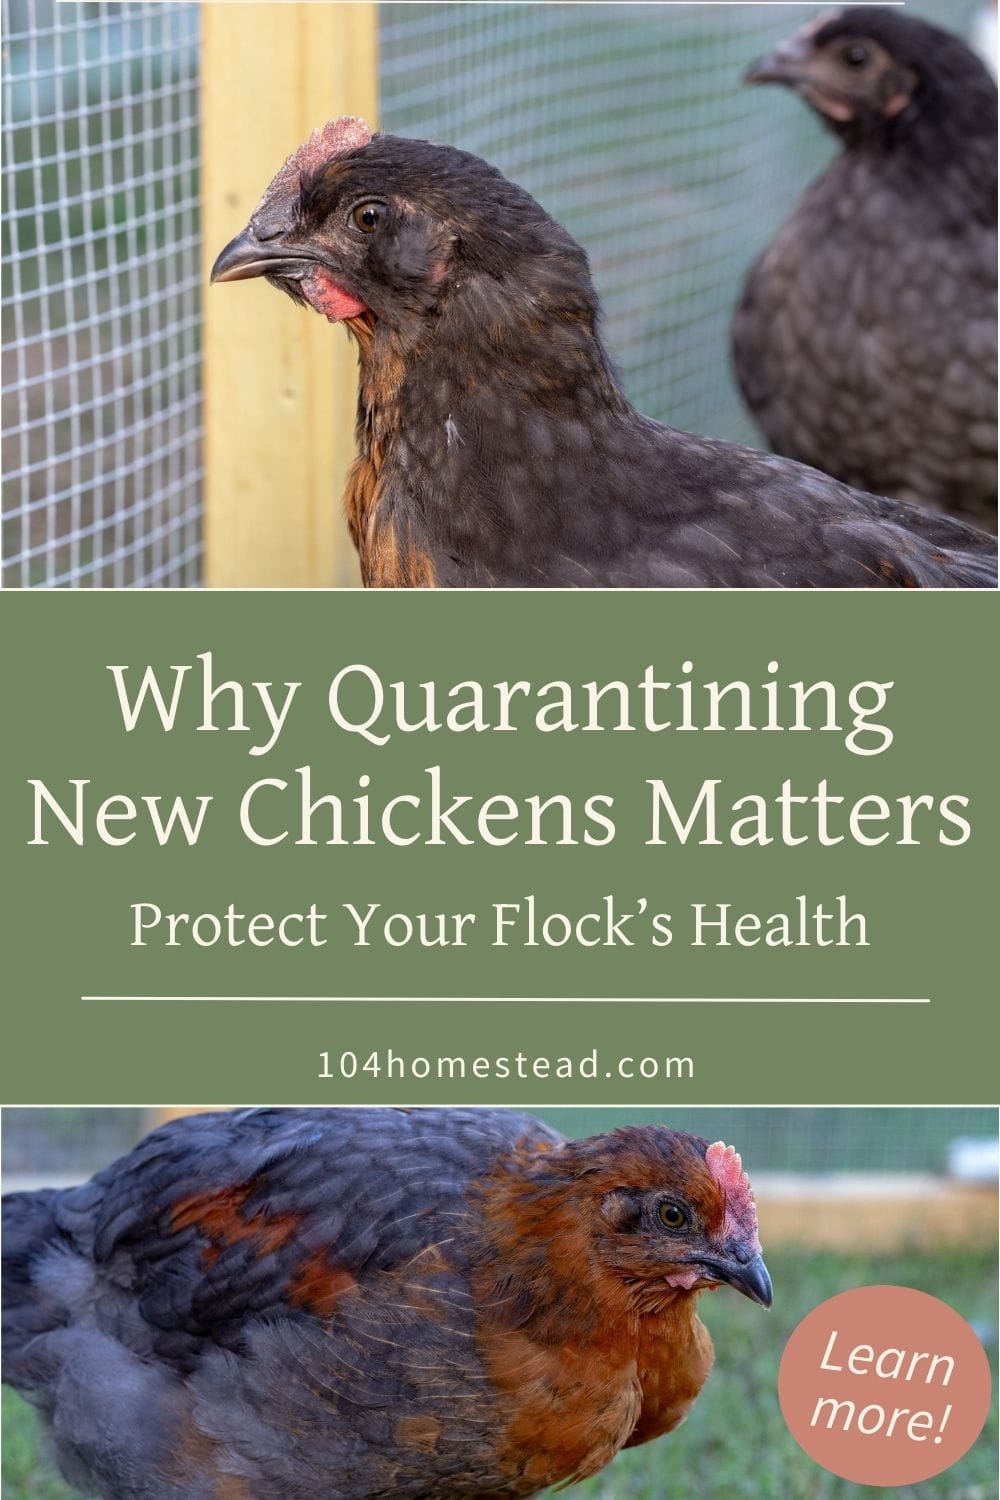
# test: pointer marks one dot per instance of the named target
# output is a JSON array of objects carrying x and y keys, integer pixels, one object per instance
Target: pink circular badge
[{"x": 884, "y": 1385}]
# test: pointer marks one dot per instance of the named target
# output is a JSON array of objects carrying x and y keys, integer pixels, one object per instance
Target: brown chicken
[
  {"x": 496, "y": 448},
  {"x": 363, "y": 1304}
]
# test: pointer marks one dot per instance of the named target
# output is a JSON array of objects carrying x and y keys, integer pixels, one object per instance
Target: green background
[{"x": 67, "y": 908}]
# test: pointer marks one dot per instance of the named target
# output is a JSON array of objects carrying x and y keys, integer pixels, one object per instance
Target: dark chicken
[
  {"x": 866, "y": 338},
  {"x": 363, "y": 1304},
  {"x": 495, "y": 446}
]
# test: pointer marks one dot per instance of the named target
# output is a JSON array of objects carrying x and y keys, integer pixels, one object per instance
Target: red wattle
[{"x": 323, "y": 293}]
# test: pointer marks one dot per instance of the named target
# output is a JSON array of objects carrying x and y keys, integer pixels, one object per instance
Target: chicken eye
[
  {"x": 854, "y": 55},
  {"x": 672, "y": 1217},
  {"x": 368, "y": 216}
]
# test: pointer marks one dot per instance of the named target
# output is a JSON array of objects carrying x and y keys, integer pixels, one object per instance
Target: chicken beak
[
  {"x": 786, "y": 64},
  {"x": 247, "y": 256},
  {"x": 749, "y": 1277}
]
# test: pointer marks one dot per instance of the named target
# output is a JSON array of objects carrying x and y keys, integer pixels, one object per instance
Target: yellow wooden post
[{"x": 279, "y": 383}]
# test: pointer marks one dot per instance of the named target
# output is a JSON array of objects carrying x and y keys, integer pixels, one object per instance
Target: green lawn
[
  {"x": 735, "y": 1445},
  {"x": 26, "y": 1473}
]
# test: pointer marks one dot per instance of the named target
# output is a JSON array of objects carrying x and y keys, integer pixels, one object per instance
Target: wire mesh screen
[
  {"x": 101, "y": 394},
  {"x": 627, "y": 121},
  {"x": 895, "y": 1140},
  {"x": 67, "y": 1143},
  {"x": 630, "y": 125},
  {"x": 74, "y": 1142}
]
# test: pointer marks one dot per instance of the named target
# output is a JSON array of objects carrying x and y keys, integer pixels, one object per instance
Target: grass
[
  {"x": 735, "y": 1445},
  {"x": 27, "y": 1473}
]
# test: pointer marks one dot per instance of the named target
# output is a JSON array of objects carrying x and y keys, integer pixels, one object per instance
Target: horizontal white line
[{"x": 505, "y": 1000}]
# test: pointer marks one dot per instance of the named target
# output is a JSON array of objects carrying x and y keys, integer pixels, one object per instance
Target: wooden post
[{"x": 279, "y": 383}]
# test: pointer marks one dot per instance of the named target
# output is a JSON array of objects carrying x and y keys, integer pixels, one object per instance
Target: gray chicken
[
  {"x": 371, "y": 1304},
  {"x": 865, "y": 339}
]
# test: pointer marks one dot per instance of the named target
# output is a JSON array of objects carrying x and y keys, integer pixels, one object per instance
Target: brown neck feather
[
  {"x": 389, "y": 557},
  {"x": 580, "y": 1374}
]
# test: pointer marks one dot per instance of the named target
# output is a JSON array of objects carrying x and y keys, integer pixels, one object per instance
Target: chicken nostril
[{"x": 270, "y": 222}]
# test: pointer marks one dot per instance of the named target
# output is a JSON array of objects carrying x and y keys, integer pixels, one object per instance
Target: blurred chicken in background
[{"x": 865, "y": 342}]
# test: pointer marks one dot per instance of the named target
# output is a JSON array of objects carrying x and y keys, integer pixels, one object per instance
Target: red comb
[
  {"x": 336, "y": 137},
  {"x": 741, "y": 1213}
]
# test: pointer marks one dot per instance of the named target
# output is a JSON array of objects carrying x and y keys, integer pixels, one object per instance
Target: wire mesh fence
[
  {"x": 812, "y": 1139},
  {"x": 630, "y": 124},
  {"x": 75, "y": 1142},
  {"x": 65, "y": 1144},
  {"x": 101, "y": 305},
  {"x": 627, "y": 121}
]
